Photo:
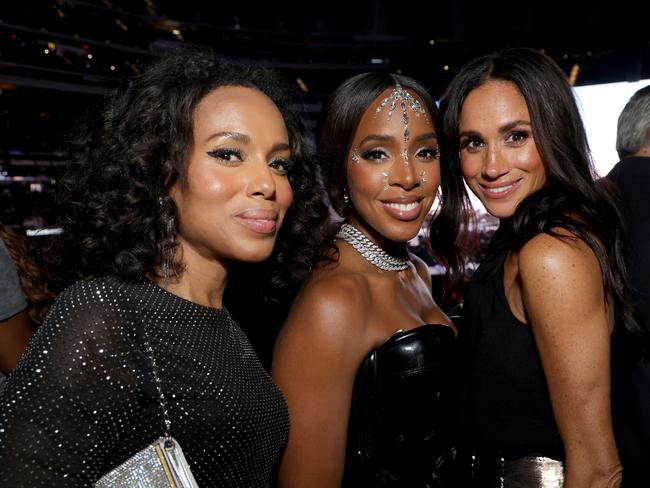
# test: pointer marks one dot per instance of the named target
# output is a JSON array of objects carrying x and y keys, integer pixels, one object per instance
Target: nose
[
  {"x": 494, "y": 164},
  {"x": 260, "y": 180},
  {"x": 403, "y": 173}
]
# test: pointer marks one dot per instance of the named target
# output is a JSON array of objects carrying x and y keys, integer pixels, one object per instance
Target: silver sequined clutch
[{"x": 159, "y": 465}]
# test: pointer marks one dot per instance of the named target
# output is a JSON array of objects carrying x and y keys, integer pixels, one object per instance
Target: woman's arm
[
  {"x": 14, "y": 336},
  {"x": 564, "y": 300},
  {"x": 315, "y": 360},
  {"x": 78, "y": 375},
  {"x": 15, "y": 325}
]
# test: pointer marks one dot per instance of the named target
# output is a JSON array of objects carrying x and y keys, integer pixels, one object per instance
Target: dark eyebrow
[
  {"x": 376, "y": 137},
  {"x": 469, "y": 133},
  {"x": 425, "y": 137},
  {"x": 503, "y": 129},
  {"x": 237, "y": 136},
  {"x": 511, "y": 125},
  {"x": 280, "y": 146},
  {"x": 243, "y": 138}
]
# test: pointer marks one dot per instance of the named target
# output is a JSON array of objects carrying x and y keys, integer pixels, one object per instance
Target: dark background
[{"x": 60, "y": 57}]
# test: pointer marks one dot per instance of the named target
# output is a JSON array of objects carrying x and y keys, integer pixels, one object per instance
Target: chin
[
  {"x": 403, "y": 233},
  {"x": 499, "y": 211},
  {"x": 253, "y": 254},
  {"x": 256, "y": 257}
]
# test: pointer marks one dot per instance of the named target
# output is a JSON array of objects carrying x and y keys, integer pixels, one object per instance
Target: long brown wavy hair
[{"x": 33, "y": 280}]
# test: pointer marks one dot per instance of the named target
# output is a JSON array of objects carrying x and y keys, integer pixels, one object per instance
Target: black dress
[
  {"x": 507, "y": 421},
  {"x": 403, "y": 404},
  {"x": 83, "y": 397}
]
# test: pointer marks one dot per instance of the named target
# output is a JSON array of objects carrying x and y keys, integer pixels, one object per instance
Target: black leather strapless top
[{"x": 402, "y": 412}]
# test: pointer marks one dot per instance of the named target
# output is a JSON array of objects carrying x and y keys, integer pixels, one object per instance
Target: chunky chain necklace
[{"x": 370, "y": 251}]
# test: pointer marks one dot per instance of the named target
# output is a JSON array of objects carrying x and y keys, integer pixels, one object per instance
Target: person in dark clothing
[
  {"x": 365, "y": 350},
  {"x": 540, "y": 310},
  {"x": 193, "y": 170},
  {"x": 632, "y": 384}
]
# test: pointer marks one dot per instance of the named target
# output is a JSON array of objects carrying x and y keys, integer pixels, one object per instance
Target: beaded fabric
[
  {"x": 370, "y": 251},
  {"x": 83, "y": 398}
]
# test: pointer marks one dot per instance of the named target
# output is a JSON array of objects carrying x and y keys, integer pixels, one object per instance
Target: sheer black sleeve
[{"x": 76, "y": 387}]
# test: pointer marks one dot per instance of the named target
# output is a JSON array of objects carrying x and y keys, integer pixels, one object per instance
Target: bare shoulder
[
  {"x": 328, "y": 312},
  {"x": 548, "y": 256},
  {"x": 560, "y": 277},
  {"x": 333, "y": 296}
]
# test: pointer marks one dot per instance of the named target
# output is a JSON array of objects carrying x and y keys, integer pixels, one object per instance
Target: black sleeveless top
[
  {"x": 505, "y": 404},
  {"x": 402, "y": 407}
]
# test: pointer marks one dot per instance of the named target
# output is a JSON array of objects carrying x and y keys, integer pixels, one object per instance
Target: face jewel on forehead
[
  {"x": 406, "y": 101},
  {"x": 416, "y": 107}
]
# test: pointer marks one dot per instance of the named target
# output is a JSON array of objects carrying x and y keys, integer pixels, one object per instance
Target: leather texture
[{"x": 402, "y": 411}]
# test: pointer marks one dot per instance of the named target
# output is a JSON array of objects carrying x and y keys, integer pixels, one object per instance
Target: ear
[{"x": 175, "y": 192}]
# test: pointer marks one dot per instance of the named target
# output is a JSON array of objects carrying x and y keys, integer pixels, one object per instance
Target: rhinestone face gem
[{"x": 406, "y": 101}]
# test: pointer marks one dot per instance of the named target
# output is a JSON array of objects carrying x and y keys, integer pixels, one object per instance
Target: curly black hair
[{"x": 114, "y": 204}]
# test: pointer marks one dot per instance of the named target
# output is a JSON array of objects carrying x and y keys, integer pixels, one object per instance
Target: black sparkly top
[{"x": 83, "y": 397}]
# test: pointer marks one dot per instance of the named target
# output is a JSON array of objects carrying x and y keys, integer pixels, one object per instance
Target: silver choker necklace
[{"x": 370, "y": 251}]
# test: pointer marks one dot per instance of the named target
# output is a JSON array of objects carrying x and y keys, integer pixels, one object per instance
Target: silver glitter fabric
[
  {"x": 161, "y": 464},
  {"x": 83, "y": 398},
  {"x": 140, "y": 471}
]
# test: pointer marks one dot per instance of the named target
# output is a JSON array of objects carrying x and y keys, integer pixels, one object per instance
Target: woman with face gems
[
  {"x": 189, "y": 173},
  {"x": 541, "y": 309},
  {"x": 364, "y": 356}
]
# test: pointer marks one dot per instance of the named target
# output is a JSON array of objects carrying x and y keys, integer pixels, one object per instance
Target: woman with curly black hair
[{"x": 191, "y": 171}]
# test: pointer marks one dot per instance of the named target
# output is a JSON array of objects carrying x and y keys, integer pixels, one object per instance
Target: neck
[
  {"x": 202, "y": 281},
  {"x": 394, "y": 248},
  {"x": 370, "y": 251},
  {"x": 644, "y": 152}
]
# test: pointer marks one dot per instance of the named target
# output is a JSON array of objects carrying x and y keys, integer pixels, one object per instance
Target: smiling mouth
[
  {"x": 402, "y": 207},
  {"x": 405, "y": 211},
  {"x": 500, "y": 191},
  {"x": 259, "y": 220},
  {"x": 262, "y": 226}
]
